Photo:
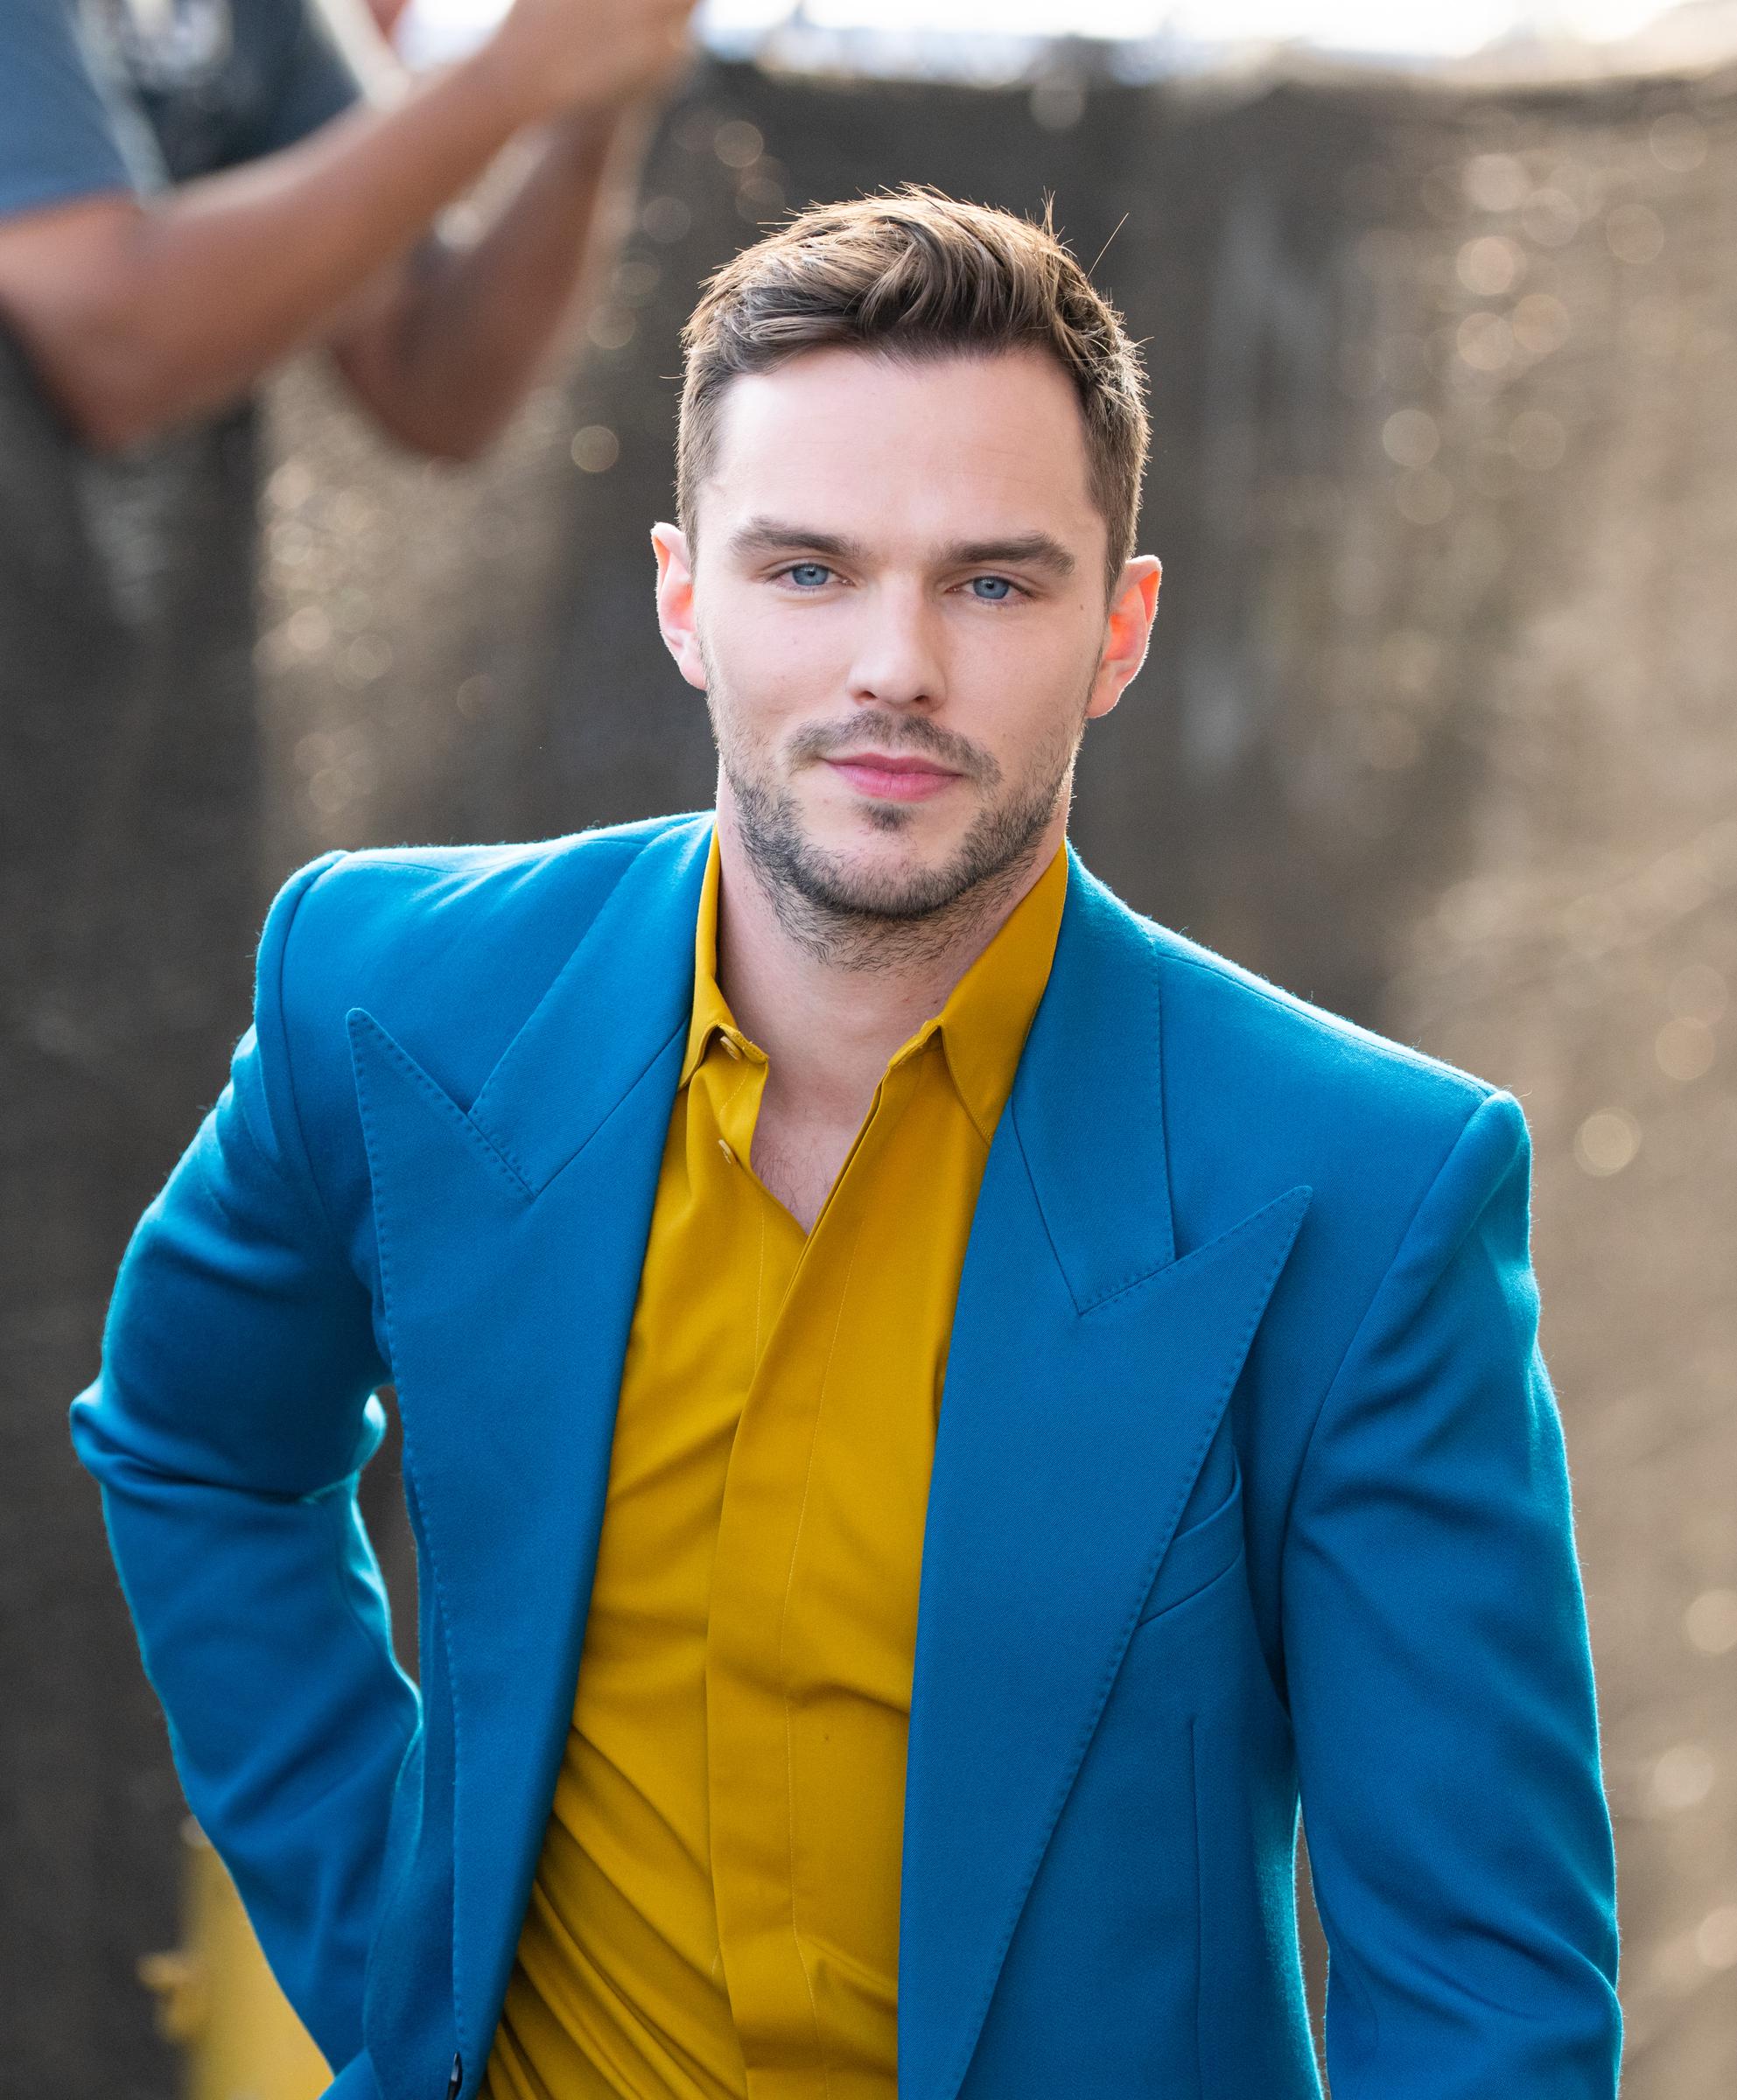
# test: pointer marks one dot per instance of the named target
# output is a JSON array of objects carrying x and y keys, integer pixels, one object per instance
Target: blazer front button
[{"x": 457, "y": 2079}]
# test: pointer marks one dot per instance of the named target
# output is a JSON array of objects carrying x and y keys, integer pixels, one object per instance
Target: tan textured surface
[{"x": 1439, "y": 727}]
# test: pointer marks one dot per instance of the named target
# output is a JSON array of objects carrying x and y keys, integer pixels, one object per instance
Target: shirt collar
[
  {"x": 984, "y": 1024},
  {"x": 990, "y": 1011},
  {"x": 712, "y": 1015}
]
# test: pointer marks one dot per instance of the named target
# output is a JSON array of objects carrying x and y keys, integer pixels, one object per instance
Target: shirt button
[
  {"x": 724, "y": 1147},
  {"x": 730, "y": 1049}
]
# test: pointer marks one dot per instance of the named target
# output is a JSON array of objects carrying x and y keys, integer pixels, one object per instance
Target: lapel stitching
[
  {"x": 1297, "y": 1197},
  {"x": 1167, "y": 1251},
  {"x": 447, "y": 1181},
  {"x": 445, "y": 1549},
  {"x": 1296, "y": 1200},
  {"x": 536, "y": 1189},
  {"x": 360, "y": 1017},
  {"x": 1093, "y": 1143},
  {"x": 603, "y": 1023}
]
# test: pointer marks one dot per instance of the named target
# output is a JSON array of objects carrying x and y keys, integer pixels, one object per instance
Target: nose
[{"x": 898, "y": 660}]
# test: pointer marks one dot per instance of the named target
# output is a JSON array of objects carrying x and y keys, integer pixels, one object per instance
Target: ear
[
  {"x": 1127, "y": 633},
  {"x": 676, "y": 602}
]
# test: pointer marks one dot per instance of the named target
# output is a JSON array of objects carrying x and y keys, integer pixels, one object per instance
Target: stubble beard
[{"x": 854, "y": 918}]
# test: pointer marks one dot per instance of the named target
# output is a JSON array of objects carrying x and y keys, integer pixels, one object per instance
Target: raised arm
[
  {"x": 441, "y": 348},
  {"x": 1440, "y": 1679},
  {"x": 232, "y": 1416},
  {"x": 140, "y": 314}
]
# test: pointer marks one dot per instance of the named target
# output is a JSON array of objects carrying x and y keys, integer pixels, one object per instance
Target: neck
[{"x": 832, "y": 1005}]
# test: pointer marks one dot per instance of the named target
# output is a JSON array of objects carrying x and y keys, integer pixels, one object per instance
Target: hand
[{"x": 588, "y": 58}]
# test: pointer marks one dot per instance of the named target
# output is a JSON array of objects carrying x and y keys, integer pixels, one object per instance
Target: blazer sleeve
[
  {"x": 1440, "y": 1681},
  {"x": 234, "y": 1412}
]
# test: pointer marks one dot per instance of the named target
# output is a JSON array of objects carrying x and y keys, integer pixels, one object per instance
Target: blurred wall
[
  {"x": 129, "y": 825},
  {"x": 1436, "y": 731}
]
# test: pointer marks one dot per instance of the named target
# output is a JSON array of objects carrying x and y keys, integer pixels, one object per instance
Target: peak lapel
[
  {"x": 627, "y": 988},
  {"x": 1087, "y": 1372},
  {"x": 511, "y": 1239}
]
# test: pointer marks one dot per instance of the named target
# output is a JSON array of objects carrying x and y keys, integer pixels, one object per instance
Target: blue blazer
[{"x": 1249, "y": 1486}]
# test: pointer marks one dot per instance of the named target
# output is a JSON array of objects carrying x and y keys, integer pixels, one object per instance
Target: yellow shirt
[{"x": 716, "y": 1907}]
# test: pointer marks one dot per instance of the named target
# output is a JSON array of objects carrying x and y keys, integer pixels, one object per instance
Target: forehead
[{"x": 853, "y": 440}]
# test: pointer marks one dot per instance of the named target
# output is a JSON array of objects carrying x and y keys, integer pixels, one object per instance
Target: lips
[{"x": 893, "y": 780}]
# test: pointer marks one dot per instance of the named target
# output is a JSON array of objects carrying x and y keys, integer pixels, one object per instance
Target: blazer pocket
[{"x": 1197, "y": 1557}]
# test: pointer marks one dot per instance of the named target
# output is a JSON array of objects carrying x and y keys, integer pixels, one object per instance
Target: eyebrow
[{"x": 1025, "y": 549}]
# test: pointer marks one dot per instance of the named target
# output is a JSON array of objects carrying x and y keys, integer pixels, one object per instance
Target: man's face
[{"x": 897, "y": 612}]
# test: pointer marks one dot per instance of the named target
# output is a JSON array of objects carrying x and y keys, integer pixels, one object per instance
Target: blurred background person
[
  {"x": 386, "y": 16},
  {"x": 190, "y": 189}
]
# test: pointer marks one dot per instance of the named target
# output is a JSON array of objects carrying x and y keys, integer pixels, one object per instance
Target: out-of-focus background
[{"x": 1438, "y": 729}]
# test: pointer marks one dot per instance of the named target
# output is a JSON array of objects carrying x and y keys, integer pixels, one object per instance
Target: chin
[
  {"x": 875, "y": 834},
  {"x": 873, "y": 861},
  {"x": 892, "y": 881}
]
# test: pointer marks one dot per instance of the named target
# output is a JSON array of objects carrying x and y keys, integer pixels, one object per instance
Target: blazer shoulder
[
  {"x": 448, "y": 947},
  {"x": 368, "y": 922},
  {"x": 1263, "y": 1089},
  {"x": 1300, "y": 1046}
]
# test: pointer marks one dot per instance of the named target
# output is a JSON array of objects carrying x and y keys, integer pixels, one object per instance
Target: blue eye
[
  {"x": 807, "y": 575},
  {"x": 998, "y": 585}
]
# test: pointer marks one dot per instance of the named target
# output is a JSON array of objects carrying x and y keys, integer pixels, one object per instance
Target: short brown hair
[{"x": 913, "y": 273}]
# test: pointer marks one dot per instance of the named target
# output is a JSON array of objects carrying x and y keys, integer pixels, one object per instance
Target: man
[
  {"x": 932, "y": 1407},
  {"x": 190, "y": 190}
]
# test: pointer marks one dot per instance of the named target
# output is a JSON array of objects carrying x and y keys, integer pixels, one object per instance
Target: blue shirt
[{"x": 140, "y": 95}]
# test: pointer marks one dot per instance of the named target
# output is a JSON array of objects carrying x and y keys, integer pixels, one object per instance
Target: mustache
[{"x": 895, "y": 733}]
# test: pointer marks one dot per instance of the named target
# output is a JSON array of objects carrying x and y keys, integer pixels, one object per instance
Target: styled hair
[{"x": 913, "y": 274}]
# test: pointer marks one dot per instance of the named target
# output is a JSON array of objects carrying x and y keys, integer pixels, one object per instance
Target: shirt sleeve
[
  {"x": 316, "y": 82},
  {"x": 58, "y": 136}
]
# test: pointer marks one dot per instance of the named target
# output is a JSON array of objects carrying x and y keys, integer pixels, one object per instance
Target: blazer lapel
[
  {"x": 511, "y": 1239},
  {"x": 1087, "y": 1372}
]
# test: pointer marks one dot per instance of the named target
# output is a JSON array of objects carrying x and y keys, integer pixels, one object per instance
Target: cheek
[
  {"x": 1023, "y": 699},
  {"x": 1030, "y": 658},
  {"x": 756, "y": 707},
  {"x": 774, "y": 667}
]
